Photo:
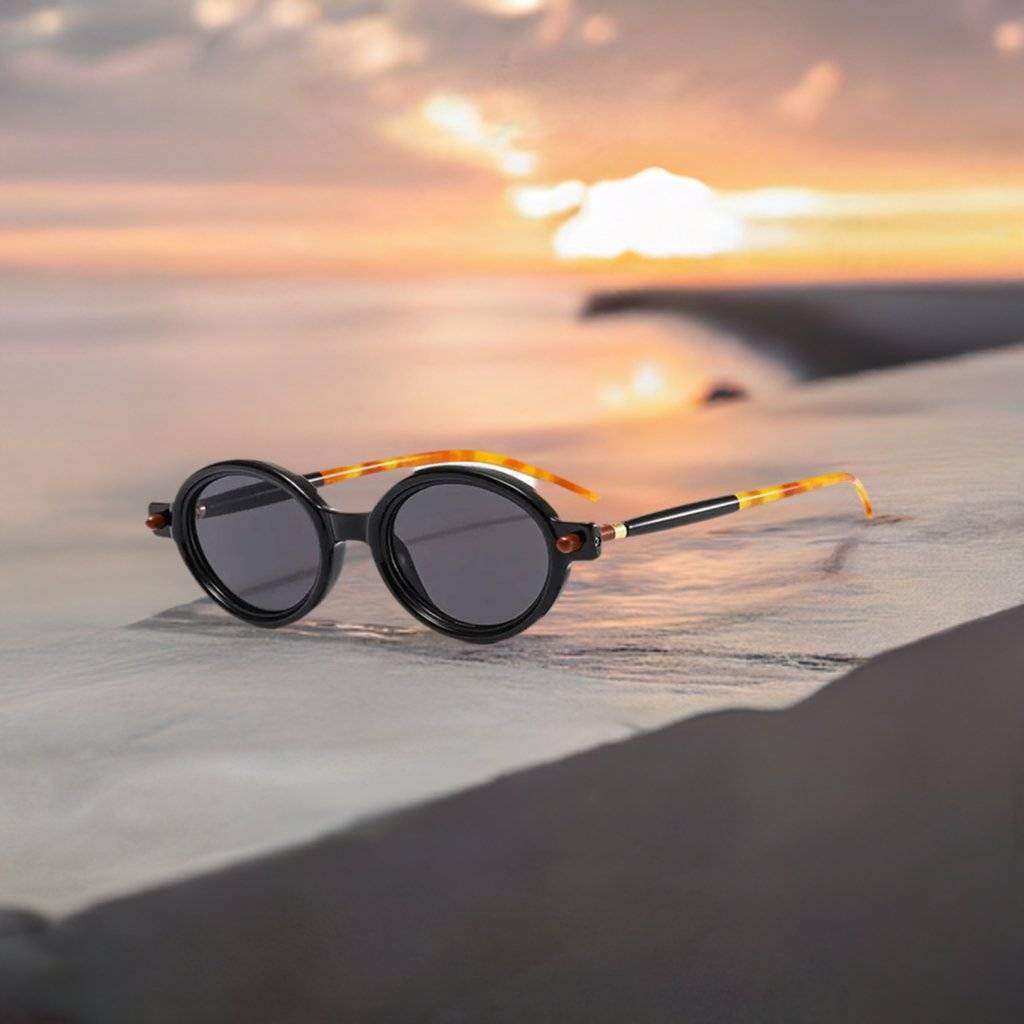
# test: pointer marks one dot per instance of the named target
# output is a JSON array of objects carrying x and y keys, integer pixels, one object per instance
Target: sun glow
[
  {"x": 654, "y": 214},
  {"x": 506, "y": 8},
  {"x": 648, "y": 389},
  {"x": 600, "y": 30},
  {"x": 648, "y": 381},
  {"x": 1009, "y": 37},
  {"x": 658, "y": 215}
]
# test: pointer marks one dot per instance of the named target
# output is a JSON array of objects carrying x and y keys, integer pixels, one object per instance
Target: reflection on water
[{"x": 128, "y": 386}]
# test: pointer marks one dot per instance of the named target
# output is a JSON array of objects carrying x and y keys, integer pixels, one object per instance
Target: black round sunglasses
[{"x": 470, "y": 550}]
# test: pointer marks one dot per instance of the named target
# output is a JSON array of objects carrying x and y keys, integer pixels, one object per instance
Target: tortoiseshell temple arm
[
  {"x": 339, "y": 474},
  {"x": 711, "y": 508}
]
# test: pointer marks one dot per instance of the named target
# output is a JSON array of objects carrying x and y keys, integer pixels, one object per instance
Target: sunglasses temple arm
[
  {"x": 669, "y": 518},
  {"x": 711, "y": 508}
]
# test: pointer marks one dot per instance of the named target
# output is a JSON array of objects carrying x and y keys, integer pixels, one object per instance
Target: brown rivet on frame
[{"x": 569, "y": 543}]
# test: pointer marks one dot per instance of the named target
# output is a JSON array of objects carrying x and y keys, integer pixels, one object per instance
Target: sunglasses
[{"x": 466, "y": 545}]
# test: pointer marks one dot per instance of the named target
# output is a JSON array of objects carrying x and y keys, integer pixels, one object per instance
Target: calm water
[
  {"x": 107, "y": 382},
  {"x": 112, "y": 390}
]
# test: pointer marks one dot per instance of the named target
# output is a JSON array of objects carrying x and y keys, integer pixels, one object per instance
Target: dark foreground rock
[{"x": 858, "y": 857}]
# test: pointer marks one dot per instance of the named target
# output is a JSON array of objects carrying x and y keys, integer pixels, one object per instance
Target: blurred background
[
  {"x": 297, "y": 137},
  {"x": 321, "y": 231}
]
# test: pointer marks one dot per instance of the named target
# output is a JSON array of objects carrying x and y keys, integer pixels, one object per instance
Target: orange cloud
[
  {"x": 663, "y": 216},
  {"x": 654, "y": 214},
  {"x": 599, "y": 30},
  {"x": 1008, "y": 37},
  {"x": 806, "y": 101},
  {"x": 539, "y": 202}
]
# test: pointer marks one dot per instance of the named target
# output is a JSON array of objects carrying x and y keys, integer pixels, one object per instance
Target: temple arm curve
[
  {"x": 339, "y": 474},
  {"x": 698, "y": 511}
]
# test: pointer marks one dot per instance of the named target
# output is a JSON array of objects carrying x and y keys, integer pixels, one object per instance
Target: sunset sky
[{"x": 750, "y": 140}]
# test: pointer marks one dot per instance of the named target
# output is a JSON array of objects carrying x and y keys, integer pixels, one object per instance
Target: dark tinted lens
[
  {"x": 258, "y": 540},
  {"x": 475, "y": 555}
]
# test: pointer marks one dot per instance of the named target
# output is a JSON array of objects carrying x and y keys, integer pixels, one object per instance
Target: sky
[{"x": 749, "y": 140}]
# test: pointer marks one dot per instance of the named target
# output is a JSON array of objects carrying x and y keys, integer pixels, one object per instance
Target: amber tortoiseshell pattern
[
  {"x": 341, "y": 473},
  {"x": 763, "y": 495},
  {"x": 712, "y": 508}
]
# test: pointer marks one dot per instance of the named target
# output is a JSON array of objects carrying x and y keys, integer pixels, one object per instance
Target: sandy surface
[
  {"x": 856, "y": 857},
  {"x": 134, "y": 754}
]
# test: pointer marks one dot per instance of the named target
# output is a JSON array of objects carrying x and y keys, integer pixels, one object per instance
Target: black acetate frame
[
  {"x": 566, "y": 542},
  {"x": 335, "y": 528}
]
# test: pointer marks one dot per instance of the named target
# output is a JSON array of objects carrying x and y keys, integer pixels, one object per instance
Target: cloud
[
  {"x": 453, "y": 126},
  {"x": 44, "y": 23},
  {"x": 768, "y": 204},
  {"x": 213, "y": 15},
  {"x": 553, "y": 18},
  {"x": 334, "y": 90},
  {"x": 252, "y": 23},
  {"x": 599, "y": 30},
  {"x": 556, "y": 23},
  {"x": 144, "y": 92},
  {"x": 654, "y": 214},
  {"x": 539, "y": 202},
  {"x": 507, "y": 8},
  {"x": 292, "y": 15},
  {"x": 659, "y": 215},
  {"x": 365, "y": 47},
  {"x": 52, "y": 68},
  {"x": 806, "y": 101},
  {"x": 1008, "y": 37}
]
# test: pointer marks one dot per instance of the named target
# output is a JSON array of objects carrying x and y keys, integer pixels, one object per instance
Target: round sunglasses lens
[
  {"x": 258, "y": 540},
  {"x": 476, "y": 556}
]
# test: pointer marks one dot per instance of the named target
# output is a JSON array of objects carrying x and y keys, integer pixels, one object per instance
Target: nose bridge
[{"x": 350, "y": 525}]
